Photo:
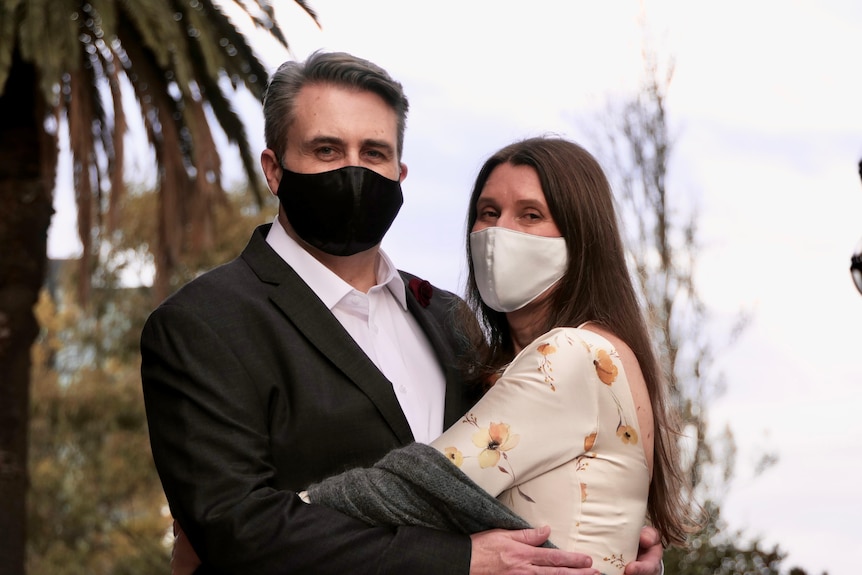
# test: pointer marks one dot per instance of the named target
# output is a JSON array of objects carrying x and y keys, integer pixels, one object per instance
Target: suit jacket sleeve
[{"x": 211, "y": 445}]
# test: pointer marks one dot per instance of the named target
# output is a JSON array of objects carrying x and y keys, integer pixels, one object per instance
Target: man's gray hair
[{"x": 336, "y": 68}]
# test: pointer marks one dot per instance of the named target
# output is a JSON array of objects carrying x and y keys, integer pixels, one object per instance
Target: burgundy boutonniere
[{"x": 422, "y": 291}]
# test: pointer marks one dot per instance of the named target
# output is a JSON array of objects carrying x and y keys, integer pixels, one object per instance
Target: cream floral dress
[{"x": 556, "y": 439}]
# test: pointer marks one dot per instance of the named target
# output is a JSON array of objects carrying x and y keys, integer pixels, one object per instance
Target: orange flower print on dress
[
  {"x": 589, "y": 441},
  {"x": 605, "y": 367},
  {"x": 547, "y": 349},
  {"x": 616, "y": 560},
  {"x": 583, "y": 492},
  {"x": 454, "y": 455},
  {"x": 493, "y": 440},
  {"x": 584, "y": 461},
  {"x": 628, "y": 434}
]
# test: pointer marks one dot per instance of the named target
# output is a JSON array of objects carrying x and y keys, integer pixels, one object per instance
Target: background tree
[
  {"x": 95, "y": 502},
  {"x": 96, "y": 505},
  {"x": 69, "y": 64},
  {"x": 662, "y": 235}
]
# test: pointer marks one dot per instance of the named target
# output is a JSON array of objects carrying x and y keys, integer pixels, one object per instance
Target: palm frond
[
  {"x": 207, "y": 189},
  {"x": 234, "y": 129},
  {"x": 49, "y": 144},
  {"x": 116, "y": 161},
  {"x": 104, "y": 16},
  {"x": 99, "y": 126},
  {"x": 268, "y": 22},
  {"x": 11, "y": 13},
  {"x": 157, "y": 29},
  {"x": 218, "y": 48},
  {"x": 49, "y": 39},
  {"x": 79, "y": 117},
  {"x": 306, "y": 8},
  {"x": 177, "y": 56},
  {"x": 237, "y": 59},
  {"x": 162, "y": 117}
]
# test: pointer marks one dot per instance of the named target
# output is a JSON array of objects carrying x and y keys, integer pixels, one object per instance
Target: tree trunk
[{"x": 27, "y": 164}]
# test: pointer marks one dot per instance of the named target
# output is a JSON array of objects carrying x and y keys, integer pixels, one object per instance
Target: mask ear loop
[
  {"x": 856, "y": 267},
  {"x": 856, "y": 258}
]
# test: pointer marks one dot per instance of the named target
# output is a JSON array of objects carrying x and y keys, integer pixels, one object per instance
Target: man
[{"x": 306, "y": 355}]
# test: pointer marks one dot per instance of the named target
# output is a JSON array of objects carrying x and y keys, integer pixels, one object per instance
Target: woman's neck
[{"x": 526, "y": 324}]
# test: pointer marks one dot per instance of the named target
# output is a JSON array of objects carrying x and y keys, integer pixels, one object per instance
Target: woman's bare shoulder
[{"x": 636, "y": 381}]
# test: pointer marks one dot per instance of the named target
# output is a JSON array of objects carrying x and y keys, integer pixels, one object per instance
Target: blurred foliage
[
  {"x": 131, "y": 249},
  {"x": 95, "y": 504},
  {"x": 717, "y": 550},
  {"x": 77, "y": 72},
  {"x": 661, "y": 226}
]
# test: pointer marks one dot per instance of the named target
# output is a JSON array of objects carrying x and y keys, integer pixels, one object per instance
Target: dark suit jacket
[{"x": 253, "y": 390}]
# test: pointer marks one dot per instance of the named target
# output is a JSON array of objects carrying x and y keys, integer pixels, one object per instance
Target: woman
[{"x": 573, "y": 432}]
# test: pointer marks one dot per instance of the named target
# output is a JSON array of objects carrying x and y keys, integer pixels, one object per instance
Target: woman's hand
[
  {"x": 650, "y": 553},
  {"x": 184, "y": 560}
]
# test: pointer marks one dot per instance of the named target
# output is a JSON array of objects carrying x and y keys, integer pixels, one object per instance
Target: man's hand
[
  {"x": 501, "y": 552},
  {"x": 649, "y": 554},
  {"x": 184, "y": 560}
]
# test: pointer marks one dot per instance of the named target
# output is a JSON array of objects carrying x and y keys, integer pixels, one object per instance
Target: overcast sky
[{"x": 766, "y": 106}]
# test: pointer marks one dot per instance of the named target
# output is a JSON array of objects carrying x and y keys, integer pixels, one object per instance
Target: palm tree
[{"x": 71, "y": 65}]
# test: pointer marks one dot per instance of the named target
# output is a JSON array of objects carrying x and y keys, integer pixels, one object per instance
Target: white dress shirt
[{"x": 382, "y": 326}]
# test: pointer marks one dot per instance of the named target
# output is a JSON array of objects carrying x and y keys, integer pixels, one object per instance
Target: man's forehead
[{"x": 333, "y": 112}]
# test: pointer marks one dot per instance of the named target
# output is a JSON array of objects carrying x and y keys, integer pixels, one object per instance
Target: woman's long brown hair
[{"x": 597, "y": 287}]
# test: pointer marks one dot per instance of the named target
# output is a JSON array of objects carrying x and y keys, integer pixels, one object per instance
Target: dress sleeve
[{"x": 541, "y": 413}]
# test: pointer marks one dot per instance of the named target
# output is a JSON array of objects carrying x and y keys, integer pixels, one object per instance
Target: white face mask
[{"x": 513, "y": 268}]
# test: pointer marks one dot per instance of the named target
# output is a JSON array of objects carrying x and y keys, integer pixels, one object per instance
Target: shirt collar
[{"x": 324, "y": 282}]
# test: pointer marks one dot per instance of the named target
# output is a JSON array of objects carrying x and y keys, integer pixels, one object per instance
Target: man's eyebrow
[
  {"x": 322, "y": 140},
  {"x": 373, "y": 143},
  {"x": 336, "y": 141}
]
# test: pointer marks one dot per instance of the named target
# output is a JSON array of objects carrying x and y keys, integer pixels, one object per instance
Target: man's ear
[
  {"x": 271, "y": 170},
  {"x": 403, "y": 173}
]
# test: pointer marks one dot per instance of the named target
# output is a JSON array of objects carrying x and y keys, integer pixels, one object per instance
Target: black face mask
[{"x": 342, "y": 212}]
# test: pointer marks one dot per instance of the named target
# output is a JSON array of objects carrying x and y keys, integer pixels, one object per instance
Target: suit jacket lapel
[
  {"x": 433, "y": 321},
  {"x": 305, "y": 310}
]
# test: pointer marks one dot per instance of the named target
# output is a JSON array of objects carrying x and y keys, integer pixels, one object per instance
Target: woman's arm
[
  {"x": 539, "y": 414},
  {"x": 415, "y": 485},
  {"x": 418, "y": 485},
  {"x": 525, "y": 425}
]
